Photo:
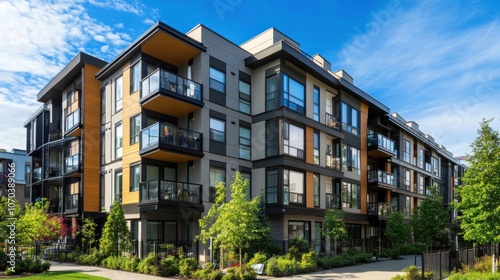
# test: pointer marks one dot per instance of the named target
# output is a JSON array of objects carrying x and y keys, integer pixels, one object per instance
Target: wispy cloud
[
  {"x": 120, "y": 5},
  {"x": 436, "y": 63}
]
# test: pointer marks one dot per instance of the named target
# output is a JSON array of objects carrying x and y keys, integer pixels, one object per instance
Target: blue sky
[{"x": 433, "y": 62}]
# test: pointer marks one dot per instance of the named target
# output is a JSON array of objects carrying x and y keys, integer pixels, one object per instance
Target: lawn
[{"x": 63, "y": 275}]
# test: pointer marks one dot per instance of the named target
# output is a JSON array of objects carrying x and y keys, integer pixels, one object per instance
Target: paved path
[{"x": 381, "y": 270}]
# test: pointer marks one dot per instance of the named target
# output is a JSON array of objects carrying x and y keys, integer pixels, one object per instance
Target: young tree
[
  {"x": 334, "y": 226},
  {"x": 7, "y": 212},
  {"x": 479, "y": 201},
  {"x": 429, "y": 219},
  {"x": 116, "y": 237},
  {"x": 397, "y": 231},
  {"x": 88, "y": 233},
  {"x": 234, "y": 224},
  {"x": 37, "y": 224}
]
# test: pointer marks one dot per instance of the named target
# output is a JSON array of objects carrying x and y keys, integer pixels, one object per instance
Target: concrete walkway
[{"x": 381, "y": 270}]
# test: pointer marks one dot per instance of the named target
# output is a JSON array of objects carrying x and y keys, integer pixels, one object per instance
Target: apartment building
[
  {"x": 15, "y": 165},
  {"x": 63, "y": 141},
  {"x": 175, "y": 113}
]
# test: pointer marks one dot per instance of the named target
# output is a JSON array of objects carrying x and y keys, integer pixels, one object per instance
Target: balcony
[
  {"x": 332, "y": 122},
  {"x": 380, "y": 146},
  {"x": 72, "y": 164},
  {"x": 71, "y": 203},
  {"x": 332, "y": 201},
  {"x": 72, "y": 123},
  {"x": 382, "y": 179},
  {"x": 163, "y": 91},
  {"x": 170, "y": 193},
  {"x": 168, "y": 142},
  {"x": 380, "y": 209},
  {"x": 332, "y": 162}
]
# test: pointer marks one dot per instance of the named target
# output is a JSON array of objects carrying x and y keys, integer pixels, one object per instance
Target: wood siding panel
[
  {"x": 91, "y": 139},
  {"x": 364, "y": 156},
  {"x": 309, "y": 145},
  {"x": 309, "y": 189}
]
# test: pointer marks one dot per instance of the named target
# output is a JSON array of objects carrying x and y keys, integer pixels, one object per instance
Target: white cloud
[
  {"x": 148, "y": 21},
  {"x": 120, "y": 5},
  {"x": 119, "y": 25}
]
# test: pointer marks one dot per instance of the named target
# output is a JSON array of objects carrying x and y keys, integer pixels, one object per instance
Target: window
[
  {"x": 135, "y": 129},
  {"x": 103, "y": 105},
  {"x": 135, "y": 77},
  {"x": 293, "y": 187},
  {"x": 118, "y": 186},
  {"x": 135, "y": 177},
  {"x": 316, "y": 147},
  {"x": 245, "y": 143},
  {"x": 118, "y": 93},
  {"x": 217, "y": 80},
  {"x": 407, "y": 180},
  {"x": 407, "y": 151},
  {"x": 272, "y": 92},
  {"x": 332, "y": 200},
  {"x": 293, "y": 94},
  {"x": 407, "y": 207},
  {"x": 272, "y": 187},
  {"x": 272, "y": 138},
  {"x": 435, "y": 166},
  {"x": 293, "y": 140},
  {"x": 316, "y": 103},
  {"x": 118, "y": 140},
  {"x": 350, "y": 159},
  {"x": 421, "y": 158},
  {"x": 350, "y": 119},
  {"x": 420, "y": 184},
  {"x": 350, "y": 195},
  {"x": 27, "y": 192},
  {"x": 217, "y": 175},
  {"x": 299, "y": 229},
  {"x": 27, "y": 173},
  {"x": 244, "y": 105},
  {"x": 316, "y": 190},
  {"x": 217, "y": 130}
]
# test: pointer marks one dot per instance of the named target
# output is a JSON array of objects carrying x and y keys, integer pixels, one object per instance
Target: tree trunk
[
  {"x": 240, "y": 264},
  {"x": 221, "y": 258}
]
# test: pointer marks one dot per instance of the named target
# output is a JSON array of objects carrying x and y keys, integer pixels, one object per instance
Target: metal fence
[{"x": 56, "y": 251}]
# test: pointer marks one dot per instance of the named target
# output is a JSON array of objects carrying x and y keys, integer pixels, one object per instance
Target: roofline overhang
[{"x": 135, "y": 47}]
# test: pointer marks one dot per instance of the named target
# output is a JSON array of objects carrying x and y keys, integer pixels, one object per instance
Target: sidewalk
[{"x": 381, "y": 270}]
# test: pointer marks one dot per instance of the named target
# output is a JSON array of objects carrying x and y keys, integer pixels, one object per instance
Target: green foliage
[
  {"x": 5, "y": 213},
  {"x": 207, "y": 273},
  {"x": 309, "y": 262},
  {"x": 397, "y": 231},
  {"x": 280, "y": 266},
  {"x": 148, "y": 264},
  {"x": 300, "y": 244},
  {"x": 95, "y": 258},
  {"x": 3, "y": 260},
  {"x": 121, "y": 263},
  {"x": 412, "y": 273},
  {"x": 334, "y": 226},
  {"x": 168, "y": 267},
  {"x": 245, "y": 272},
  {"x": 116, "y": 237},
  {"x": 187, "y": 266},
  {"x": 411, "y": 249},
  {"x": 481, "y": 265},
  {"x": 258, "y": 257},
  {"x": 29, "y": 265},
  {"x": 36, "y": 223},
  {"x": 475, "y": 276},
  {"x": 478, "y": 198},
  {"x": 88, "y": 232},
  {"x": 351, "y": 257}
]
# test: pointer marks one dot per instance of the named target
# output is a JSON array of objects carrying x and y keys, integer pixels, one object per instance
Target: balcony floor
[{"x": 162, "y": 103}]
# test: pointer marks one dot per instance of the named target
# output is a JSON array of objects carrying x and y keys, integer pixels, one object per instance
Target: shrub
[
  {"x": 475, "y": 276},
  {"x": 148, "y": 265},
  {"x": 309, "y": 262},
  {"x": 168, "y": 267},
  {"x": 301, "y": 244},
  {"x": 3, "y": 260},
  {"x": 412, "y": 273},
  {"x": 207, "y": 274},
  {"x": 95, "y": 258},
  {"x": 279, "y": 266},
  {"x": 29, "y": 265},
  {"x": 187, "y": 266},
  {"x": 258, "y": 258},
  {"x": 411, "y": 249}
]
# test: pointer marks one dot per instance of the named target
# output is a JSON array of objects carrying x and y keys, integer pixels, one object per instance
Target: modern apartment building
[
  {"x": 15, "y": 165},
  {"x": 181, "y": 112}
]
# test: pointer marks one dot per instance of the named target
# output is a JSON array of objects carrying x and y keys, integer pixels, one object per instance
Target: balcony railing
[
  {"x": 332, "y": 121},
  {"x": 167, "y": 134},
  {"x": 37, "y": 174},
  {"x": 72, "y": 120},
  {"x": 71, "y": 163},
  {"x": 163, "y": 190},
  {"x": 332, "y": 201},
  {"x": 381, "y": 209},
  {"x": 161, "y": 79},
  {"x": 380, "y": 141},
  {"x": 380, "y": 176},
  {"x": 332, "y": 162},
  {"x": 71, "y": 202}
]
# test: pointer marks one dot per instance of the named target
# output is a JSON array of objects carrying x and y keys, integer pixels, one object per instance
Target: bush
[
  {"x": 309, "y": 262},
  {"x": 131, "y": 264},
  {"x": 148, "y": 265},
  {"x": 258, "y": 258},
  {"x": 95, "y": 258},
  {"x": 29, "y": 265},
  {"x": 3, "y": 260},
  {"x": 207, "y": 274},
  {"x": 245, "y": 272},
  {"x": 475, "y": 276},
  {"x": 412, "y": 273},
  {"x": 168, "y": 267},
  {"x": 279, "y": 266},
  {"x": 411, "y": 249},
  {"x": 187, "y": 266},
  {"x": 297, "y": 247}
]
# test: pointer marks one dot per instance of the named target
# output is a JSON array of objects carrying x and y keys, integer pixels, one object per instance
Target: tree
[
  {"x": 116, "y": 237},
  {"x": 334, "y": 226},
  {"x": 7, "y": 214},
  {"x": 429, "y": 219},
  {"x": 234, "y": 224},
  {"x": 88, "y": 233},
  {"x": 36, "y": 223},
  {"x": 479, "y": 197},
  {"x": 397, "y": 231}
]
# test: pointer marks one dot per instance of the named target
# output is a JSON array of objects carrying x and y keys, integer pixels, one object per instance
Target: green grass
[{"x": 63, "y": 275}]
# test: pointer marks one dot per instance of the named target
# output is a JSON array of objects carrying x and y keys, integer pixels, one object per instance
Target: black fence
[
  {"x": 189, "y": 248},
  {"x": 56, "y": 251}
]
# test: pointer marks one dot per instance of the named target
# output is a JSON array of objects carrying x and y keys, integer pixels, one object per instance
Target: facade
[
  {"x": 15, "y": 165},
  {"x": 181, "y": 112}
]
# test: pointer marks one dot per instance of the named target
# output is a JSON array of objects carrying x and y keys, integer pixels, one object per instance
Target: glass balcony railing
[
  {"x": 37, "y": 174},
  {"x": 381, "y": 209},
  {"x": 332, "y": 201},
  {"x": 380, "y": 176},
  {"x": 161, "y": 79},
  {"x": 170, "y": 135},
  {"x": 72, "y": 120},
  {"x": 380, "y": 141},
  {"x": 163, "y": 190},
  {"x": 332, "y": 162},
  {"x": 71, "y": 202},
  {"x": 332, "y": 121},
  {"x": 71, "y": 163}
]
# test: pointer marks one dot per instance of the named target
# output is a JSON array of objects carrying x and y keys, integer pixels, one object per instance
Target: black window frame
[
  {"x": 133, "y": 187},
  {"x": 316, "y": 102},
  {"x": 135, "y": 135},
  {"x": 212, "y": 130}
]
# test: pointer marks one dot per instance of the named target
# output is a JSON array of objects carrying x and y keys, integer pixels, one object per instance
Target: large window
[
  {"x": 118, "y": 186},
  {"x": 299, "y": 229},
  {"x": 272, "y": 187},
  {"x": 245, "y": 143},
  {"x": 217, "y": 175},
  {"x": 350, "y": 159},
  {"x": 273, "y": 138},
  {"x": 351, "y": 196},
  {"x": 244, "y": 97},
  {"x": 293, "y": 187},
  {"x": 407, "y": 180},
  {"x": 135, "y": 177},
  {"x": 350, "y": 119},
  {"x": 435, "y": 166},
  {"x": 217, "y": 80},
  {"x": 407, "y": 151},
  {"x": 316, "y": 103},
  {"x": 316, "y": 189},
  {"x": 135, "y": 129},
  {"x": 118, "y": 140},
  {"x": 316, "y": 147},
  {"x": 135, "y": 77},
  {"x": 118, "y": 93},
  {"x": 293, "y": 94},
  {"x": 421, "y": 158},
  {"x": 271, "y": 92},
  {"x": 217, "y": 130},
  {"x": 293, "y": 140},
  {"x": 421, "y": 181}
]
